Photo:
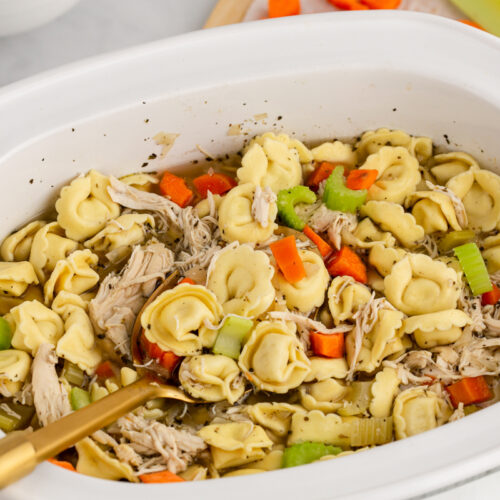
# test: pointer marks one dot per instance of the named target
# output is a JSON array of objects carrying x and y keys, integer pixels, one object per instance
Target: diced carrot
[
  {"x": 105, "y": 370},
  {"x": 348, "y": 4},
  {"x": 322, "y": 172},
  {"x": 491, "y": 298},
  {"x": 62, "y": 463},
  {"x": 153, "y": 350},
  {"x": 163, "y": 476},
  {"x": 282, "y": 8},
  {"x": 175, "y": 188},
  {"x": 469, "y": 390},
  {"x": 186, "y": 280},
  {"x": 382, "y": 4},
  {"x": 324, "y": 248},
  {"x": 471, "y": 23},
  {"x": 169, "y": 360},
  {"x": 288, "y": 259},
  {"x": 347, "y": 263},
  {"x": 361, "y": 179},
  {"x": 215, "y": 183},
  {"x": 328, "y": 345}
]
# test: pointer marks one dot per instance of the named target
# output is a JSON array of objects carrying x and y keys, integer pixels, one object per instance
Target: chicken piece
[
  {"x": 176, "y": 447},
  {"x": 262, "y": 201},
  {"x": 49, "y": 395},
  {"x": 457, "y": 202},
  {"x": 120, "y": 296},
  {"x": 333, "y": 222},
  {"x": 124, "y": 452}
]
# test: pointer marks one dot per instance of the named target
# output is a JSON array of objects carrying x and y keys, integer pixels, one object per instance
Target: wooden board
[{"x": 227, "y": 12}]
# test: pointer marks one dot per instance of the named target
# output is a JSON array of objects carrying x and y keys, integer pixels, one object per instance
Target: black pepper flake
[
  {"x": 146, "y": 120},
  {"x": 72, "y": 130},
  {"x": 143, "y": 102},
  {"x": 394, "y": 109},
  {"x": 145, "y": 164},
  {"x": 31, "y": 181},
  {"x": 152, "y": 156},
  {"x": 279, "y": 118},
  {"x": 446, "y": 138}
]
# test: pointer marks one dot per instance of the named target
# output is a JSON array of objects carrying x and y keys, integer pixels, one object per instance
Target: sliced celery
[
  {"x": 287, "y": 199},
  {"x": 485, "y": 12},
  {"x": 73, "y": 374},
  {"x": 306, "y": 453},
  {"x": 454, "y": 239},
  {"x": 474, "y": 268},
  {"x": 339, "y": 197},
  {"x": 371, "y": 431},
  {"x": 357, "y": 400},
  {"x": 231, "y": 336},
  {"x": 18, "y": 418},
  {"x": 79, "y": 398},
  {"x": 5, "y": 334}
]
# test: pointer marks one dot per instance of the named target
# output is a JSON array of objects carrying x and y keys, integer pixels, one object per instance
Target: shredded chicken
[
  {"x": 480, "y": 356},
  {"x": 262, "y": 201},
  {"x": 124, "y": 452},
  {"x": 50, "y": 396},
  {"x": 457, "y": 202},
  {"x": 429, "y": 246},
  {"x": 332, "y": 222},
  {"x": 176, "y": 448},
  {"x": 309, "y": 323},
  {"x": 472, "y": 306},
  {"x": 9, "y": 411},
  {"x": 458, "y": 413},
  {"x": 121, "y": 296},
  {"x": 491, "y": 318},
  {"x": 25, "y": 395}
]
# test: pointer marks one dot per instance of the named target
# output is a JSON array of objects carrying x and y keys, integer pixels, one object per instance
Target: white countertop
[{"x": 97, "y": 26}]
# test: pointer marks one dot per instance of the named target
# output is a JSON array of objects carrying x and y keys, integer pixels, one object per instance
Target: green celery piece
[
  {"x": 79, "y": 398},
  {"x": 73, "y": 374},
  {"x": 5, "y": 334},
  {"x": 231, "y": 336},
  {"x": 470, "y": 409},
  {"x": 454, "y": 239},
  {"x": 305, "y": 453},
  {"x": 287, "y": 199},
  {"x": 339, "y": 197},
  {"x": 10, "y": 422},
  {"x": 486, "y": 13},
  {"x": 472, "y": 264}
]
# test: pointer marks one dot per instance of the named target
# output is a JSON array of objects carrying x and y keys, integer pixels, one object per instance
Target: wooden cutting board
[{"x": 227, "y": 12}]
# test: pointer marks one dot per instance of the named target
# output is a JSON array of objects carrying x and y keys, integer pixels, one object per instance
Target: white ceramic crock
[{"x": 320, "y": 76}]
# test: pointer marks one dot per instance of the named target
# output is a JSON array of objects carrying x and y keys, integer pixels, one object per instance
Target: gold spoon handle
[{"x": 21, "y": 451}]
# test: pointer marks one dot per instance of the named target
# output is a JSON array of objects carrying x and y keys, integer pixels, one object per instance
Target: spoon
[{"x": 21, "y": 451}]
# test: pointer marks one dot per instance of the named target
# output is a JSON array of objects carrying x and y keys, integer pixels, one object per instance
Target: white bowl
[
  {"x": 326, "y": 76},
  {"x": 17, "y": 16}
]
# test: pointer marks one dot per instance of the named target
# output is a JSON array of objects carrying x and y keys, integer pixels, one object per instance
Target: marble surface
[{"x": 97, "y": 26}]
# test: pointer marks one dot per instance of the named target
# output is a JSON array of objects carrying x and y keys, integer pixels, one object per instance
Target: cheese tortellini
[
  {"x": 183, "y": 320},
  {"x": 384, "y": 390},
  {"x": 323, "y": 368},
  {"x": 34, "y": 324},
  {"x": 447, "y": 165},
  {"x": 309, "y": 292},
  {"x": 367, "y": 235},
  {"x": 273, "y": 359},
  {"x": 84, "y": 206},
  {"x": 212, "y": 378},
  {"x": 345, "y": 296},
  {"x": 241, "y": 280},
  {"x": 383, "y": 259},
  {"x": 398, "y": 174},
  {"x": 236, "y": 222},
  {"x": 491, "y": 253},
  {"x": 17, "y": 246},
  {"x": 418, "y": 284},
  {"x": 326, "y": 395},
  {"x": 14, "y": 368},
  {"x": 272, "y": 162},
  {"x": 274, "y": 416},
  {"x": 335, "y": 152},
  {"x": 15, "y": 277}
]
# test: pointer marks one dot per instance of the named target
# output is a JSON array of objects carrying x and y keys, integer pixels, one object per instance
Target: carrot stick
[
  {"x": 215, "y": 183},
  {"x": 105, "y": 370},
  {"x": 347, "y": 263},
  {"x": 348, "y": 4},
  {"x": 163, "y": 476},
  {"x": 382, "y": 4},
  {"x": 186, "y": 280},
  {"x": 169, "y": 360},
  {"x": 324, "y": 248},
  {"x": 282, "y": 8},
  {"x": 328, "y": 345},
  {"x": 62, "y": 463},
  {"x": 288, "y": 259},
  {"x": 491, "y": 298},
  {"x": 322, "y": 172},
  {"x": 469, "y": 390},
  {"x": 361, "y": 179},
  {"x": 471, "y": 23},
  {"x": 175, "y": 188}
]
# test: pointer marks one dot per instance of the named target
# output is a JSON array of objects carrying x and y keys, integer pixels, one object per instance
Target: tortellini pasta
[
  {"x": 417, "y": 410},
  {"x": 383, "y": 259},
  {"x": 33, "y": 292},
  {"x": 447, "y": 165},
  {"x": 433, "y": 211},
  {"x": 17, "y": 246},
  {"x": 384, "y": 390},
  {"x": 235, "y": 443},
  {"x": 345, "y": 296},
  {"x": 491, "y": 253},
  {"x": 323, "y": 368},
  {"x": 479, "y": 191},
  {"x": 309, "y": 292},
  {"x": 121, "y": 234},
  {"x": 274, "y": 416},
  {"x": 183, "y": 320},
  {"x": 15, "y": 277},
  {"x": 236, "y": 222},
  {"x": 418, "y": 284},
  {"x": 439, "y": 328},
  {"x": 212, "y": 378},
  {"x": 391, "y": 217},
  {"x": 325, "y": 396},
  {"x": 384, "y": 339},
  {"x": 273, "y": 359},
  {"x": 84, "y": 207},
  {"x": 78, "y": 343},
  {"x": 271, "y": 162},
  {"x": 34, "y": 324},
  {"x": 140, "y": 181},
  {"x": 367, "y": 235},
  {"x": 14, "y": 368},
  {"x": 241, "y": 280},
  {"x": 398, "y": 174},
  {"x": 73, "y": 274},
  {"x": 335, "y": 152},
  {"x": 48, "y": 248}
]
